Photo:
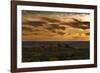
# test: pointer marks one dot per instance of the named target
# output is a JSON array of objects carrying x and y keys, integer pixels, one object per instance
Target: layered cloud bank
[{"x": 55, "y": 26}]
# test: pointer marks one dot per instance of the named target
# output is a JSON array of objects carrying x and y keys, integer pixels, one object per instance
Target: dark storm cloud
[
  {"x": 27, "y": 28},
  {"x": 50, "y": 28},
  {"x": 60, "y": 33},
  {"x": 62, "y": 27},
  {"x": 35, "y": 23},
  {"x": 87, "y": 33},
  {"x": 78, "y": 24},
  {"x": 25, "y": 34},
  {"x": 57, "y": 26},
  {"x": 76, "y": 20},
  {"x": 52, "y": 20},
  {"x": 35, "y": 33},
  {"x": 55, "y": 31}
]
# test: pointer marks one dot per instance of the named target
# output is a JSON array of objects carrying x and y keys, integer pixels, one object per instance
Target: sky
[{"x": 55, "y": 26}]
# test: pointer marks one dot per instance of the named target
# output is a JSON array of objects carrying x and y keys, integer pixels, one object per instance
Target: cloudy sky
[{"x": 55, "y": 26}]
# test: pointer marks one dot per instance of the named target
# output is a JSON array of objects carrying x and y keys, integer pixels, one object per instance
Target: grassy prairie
[{"x": 35, "y": 51}]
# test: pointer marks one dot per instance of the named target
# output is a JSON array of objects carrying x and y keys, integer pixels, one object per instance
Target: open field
[{"x": 35, "y": 51}]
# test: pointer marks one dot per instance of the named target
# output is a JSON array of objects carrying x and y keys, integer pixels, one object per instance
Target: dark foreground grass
[{"x": 54, "y": 51}]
